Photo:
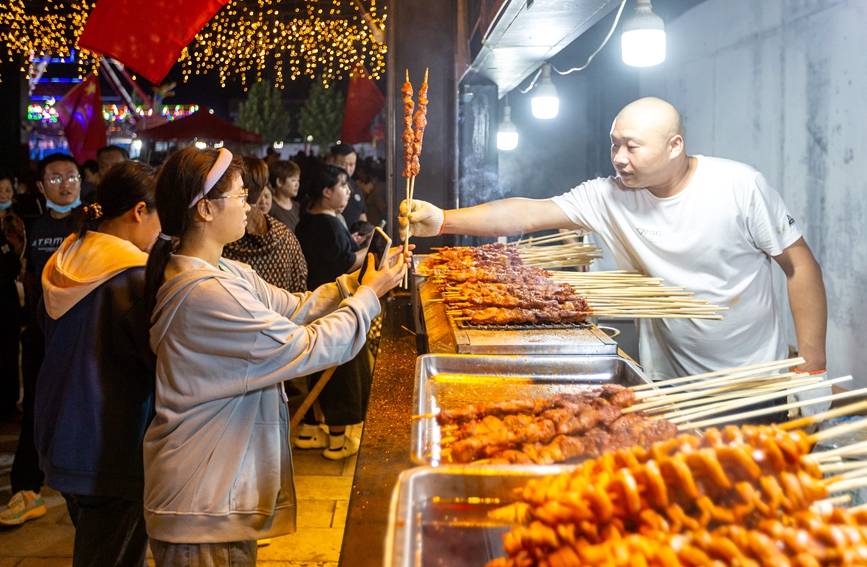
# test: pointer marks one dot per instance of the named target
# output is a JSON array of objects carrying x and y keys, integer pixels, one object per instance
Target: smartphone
[{"x": 379, "y": 245}]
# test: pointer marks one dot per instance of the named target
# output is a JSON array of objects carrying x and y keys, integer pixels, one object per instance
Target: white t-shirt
[{"x": 715, "y": 238}]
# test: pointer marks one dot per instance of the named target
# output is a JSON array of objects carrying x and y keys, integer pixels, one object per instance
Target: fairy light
[
  {"x": 113, "y": 113},
  {"x": 320, "y": 38}
]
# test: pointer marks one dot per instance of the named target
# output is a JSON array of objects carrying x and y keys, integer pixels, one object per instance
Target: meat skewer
[{"x": 741, "y": 476}]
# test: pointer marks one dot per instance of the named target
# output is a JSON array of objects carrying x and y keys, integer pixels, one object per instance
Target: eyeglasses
[
  {"x": 242, "y": 196},
  {"x": 57, "y": 180}
]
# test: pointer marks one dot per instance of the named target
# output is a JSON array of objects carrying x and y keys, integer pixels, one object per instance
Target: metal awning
[{"x": 526, "y": 33}]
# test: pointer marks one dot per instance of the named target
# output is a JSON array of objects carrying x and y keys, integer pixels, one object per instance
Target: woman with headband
[
  {"x": 218, "y": 472},
  {"x": 94, "y": 395}
]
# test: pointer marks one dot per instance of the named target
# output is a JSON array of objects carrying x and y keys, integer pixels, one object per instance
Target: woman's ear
[
  {"x": 138, "y": 212},
  {"x": 205, "y": 210}
]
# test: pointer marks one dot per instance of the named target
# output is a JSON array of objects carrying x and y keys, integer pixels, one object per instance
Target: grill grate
[{"x": 465, "y": 325}]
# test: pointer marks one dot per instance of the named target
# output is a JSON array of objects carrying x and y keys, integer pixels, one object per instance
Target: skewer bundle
[
  {"x": 737, "y": 497},
  {"x": 413, "y": 136},
  {"x": 496, "y": 284}
]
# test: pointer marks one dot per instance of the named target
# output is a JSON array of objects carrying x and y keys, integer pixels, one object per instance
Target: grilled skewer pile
[
  {"x": 737, "y": 497},
  {"x": 547, "y": 430},
  {"x": 601, "y": 419},
  {"x": 493, "y": 285}
]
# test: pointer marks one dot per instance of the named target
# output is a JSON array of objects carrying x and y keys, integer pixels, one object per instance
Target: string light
[{"x": 321, "y": 38}]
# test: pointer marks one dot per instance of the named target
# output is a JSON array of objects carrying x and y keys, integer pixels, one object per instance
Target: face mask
[
  {"x": 62, "y": 209},
  {"x": 6, "y": 205}
]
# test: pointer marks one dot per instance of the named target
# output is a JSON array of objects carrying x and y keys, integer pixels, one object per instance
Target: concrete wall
[{"x": 781, "y": 85}]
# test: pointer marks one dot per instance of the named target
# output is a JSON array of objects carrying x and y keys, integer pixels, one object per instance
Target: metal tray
[
  {"x": 449, "y": 380},
  {"x": 438, "y": 516}
]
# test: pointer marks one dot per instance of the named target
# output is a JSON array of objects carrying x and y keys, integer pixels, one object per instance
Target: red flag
[
  {"x": 363, "y": 102},
  {"x": 146, "y": 35},
  {"x": 80, "y": 113}
]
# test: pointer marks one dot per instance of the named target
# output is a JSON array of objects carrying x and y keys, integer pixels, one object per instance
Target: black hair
[
  {"x": 180, "y": 179},
  {"x": 341, "y": 150},
  {"x": 255, "y": 177},
  {"x": 281, "y": 170},
  {"x": 113, "y": 149},
  {"x": 91, "y": 166},
  {"x": 124, "y": 186},
  {"x": 327, "y": 177},
  {"x": 53, "y": 158}
]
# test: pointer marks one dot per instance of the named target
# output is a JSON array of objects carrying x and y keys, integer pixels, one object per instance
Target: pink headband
[{"x": 224, "y": 159}]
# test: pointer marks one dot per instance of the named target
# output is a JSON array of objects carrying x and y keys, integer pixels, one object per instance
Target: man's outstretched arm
[{"x": 507, "y": 217}]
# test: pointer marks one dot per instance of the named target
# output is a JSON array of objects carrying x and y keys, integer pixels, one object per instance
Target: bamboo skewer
[
  {"x": 819, "y": 417},
  {"x": 838, "y": 467},
  {"x": 765, "y": 411},
  {"x": 687, "y": 406},
  {"x": 737, "y": 372},
  {"x": 723, "y": 407},
  {"x": 727, "y": 380}
]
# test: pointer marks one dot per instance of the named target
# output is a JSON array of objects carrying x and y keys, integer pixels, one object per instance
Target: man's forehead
[{"x": 61, "y": 167}]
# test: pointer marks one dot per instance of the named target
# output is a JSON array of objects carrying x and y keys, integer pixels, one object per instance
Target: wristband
[
  {"x": 443, "y": 227},
  {"x": 813, "y": 373}
]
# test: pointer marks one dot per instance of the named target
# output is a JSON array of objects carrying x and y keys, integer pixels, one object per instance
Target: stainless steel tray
[
  {"x": 449, "y": 380},
  {"x": 438, "y": 516}
]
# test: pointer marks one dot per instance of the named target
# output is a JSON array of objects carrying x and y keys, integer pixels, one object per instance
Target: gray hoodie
[{"x": 216, "y": 456}]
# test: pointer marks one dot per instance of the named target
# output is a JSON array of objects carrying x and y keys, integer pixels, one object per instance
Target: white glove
[
  {"x": 812, "y": 409},
  {"x": 424, "y": 220}
]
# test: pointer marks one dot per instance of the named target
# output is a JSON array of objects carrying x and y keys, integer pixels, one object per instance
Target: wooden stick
[
  {"x": 722, "y": 407},
  {"x": 856, "y": 472},
  {"x": 733, "y": 372},
  {"x": 311, "y": 397},
  {"x": 532, "y": 241},
  {"x": 843, "y": 466},
  {"x": 727, "y": 380},
  {"x": 847, "y": 485},
  {"x": 834, "y": 454},
  {"x": 820, "y": 417},
  {"x": 689, "y": 406},
  {"x": 697, "y": 391},
  {"x": 839, "y": 429},
  {"x": 424, "y": 416},
  {"x": 764, "y": 411}
]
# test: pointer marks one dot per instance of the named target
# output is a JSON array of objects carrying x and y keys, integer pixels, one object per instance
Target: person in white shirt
[{"x": 708, "y": 224}]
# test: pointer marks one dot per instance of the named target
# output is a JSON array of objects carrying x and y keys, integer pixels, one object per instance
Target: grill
[
  {"x": 447, "y": 336},
  {"x": 465, "y": 325}
]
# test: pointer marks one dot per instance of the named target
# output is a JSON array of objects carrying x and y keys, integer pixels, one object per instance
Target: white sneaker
[
  {"x": 318, "y": 440},
  {"x": 350, "y": 447},
  {"x": 24, "y": 505}
]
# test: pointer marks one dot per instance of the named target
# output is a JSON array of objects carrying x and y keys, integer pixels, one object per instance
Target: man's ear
[
  {"x": 39, "y": 186},
  {"x": 676, "y": 146}
]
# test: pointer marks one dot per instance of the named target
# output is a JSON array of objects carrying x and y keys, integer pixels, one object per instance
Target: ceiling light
[
  {"x": 643, "y": 38},
  {"x": 545, "y": 102},
  {"x": 507, "y": 134}
]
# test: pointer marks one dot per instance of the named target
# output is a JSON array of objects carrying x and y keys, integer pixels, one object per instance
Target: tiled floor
[{"x": 322, "y": 488}]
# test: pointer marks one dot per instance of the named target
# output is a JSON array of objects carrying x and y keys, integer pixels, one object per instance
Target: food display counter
[{"x": 392, "y": 440}]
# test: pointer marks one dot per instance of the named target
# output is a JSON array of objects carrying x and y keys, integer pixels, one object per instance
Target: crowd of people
[{"x": 166, "y": 311}]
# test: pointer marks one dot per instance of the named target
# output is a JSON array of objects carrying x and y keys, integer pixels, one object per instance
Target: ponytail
[{"x": 182, "y": 177}]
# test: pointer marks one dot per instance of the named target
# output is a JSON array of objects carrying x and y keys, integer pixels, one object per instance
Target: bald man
[{"x": 708, "y": 224}]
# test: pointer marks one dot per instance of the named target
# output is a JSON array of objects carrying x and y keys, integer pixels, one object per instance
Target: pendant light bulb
[
  {"x": 643, "y": 38},
  {"x": 545, "y": 102},
  {"x": 507, "y": 133}
]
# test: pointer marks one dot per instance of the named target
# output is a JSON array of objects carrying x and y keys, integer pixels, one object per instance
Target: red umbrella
[{"x": 202, "y": 125}]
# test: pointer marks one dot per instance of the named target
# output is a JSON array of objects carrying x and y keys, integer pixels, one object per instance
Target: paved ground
[{"x": 323, "y": 489}]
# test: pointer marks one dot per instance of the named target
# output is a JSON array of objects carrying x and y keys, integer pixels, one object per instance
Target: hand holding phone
[{"x": 379, "y": 245}]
